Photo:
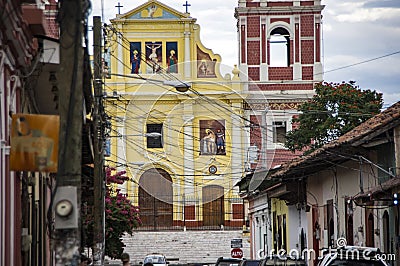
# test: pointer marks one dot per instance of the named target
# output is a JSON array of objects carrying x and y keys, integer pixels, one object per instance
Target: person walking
[{"x": 125, "y": 259}]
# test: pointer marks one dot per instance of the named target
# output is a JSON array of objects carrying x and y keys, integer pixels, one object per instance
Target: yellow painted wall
[
  {"x": 139, "y": 102},
  {"x": 280, "y": 208}
]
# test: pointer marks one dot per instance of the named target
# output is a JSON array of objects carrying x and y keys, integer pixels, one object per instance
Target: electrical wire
[{"x": 355, "y": 114}]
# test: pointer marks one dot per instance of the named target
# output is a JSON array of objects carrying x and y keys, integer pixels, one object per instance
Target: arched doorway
[
  {"x": 385, "y": 229},
  {"x": 155, "y": 198},
  {"x": 331, "y": 233},
  {"x": 316, "y": 232},
  {"x": 350, "y": 228},
  {"x": 370, "y": 241},
  {"x": 303, "y": 240},
  {"x": 213, "y": 205}
]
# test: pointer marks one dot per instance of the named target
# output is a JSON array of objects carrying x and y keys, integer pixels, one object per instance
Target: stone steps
[{"x": 184, "y": 247}]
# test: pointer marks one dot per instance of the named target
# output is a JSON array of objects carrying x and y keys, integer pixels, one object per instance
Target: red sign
[{"x": 237, "y": 253}]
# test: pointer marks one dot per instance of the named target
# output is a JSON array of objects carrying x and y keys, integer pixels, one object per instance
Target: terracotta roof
[
  {"x": 385, "y": 120},
  {"x": 281, "y": 156},
  {"x": 379, "y": 121}
]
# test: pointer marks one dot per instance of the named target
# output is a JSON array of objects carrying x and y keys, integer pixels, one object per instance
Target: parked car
[
  {"x": 221, "y": 261},
  {"x": 246, "y": 262},
  {"x": 282, "y": 261},
  {"x": 156, "y": 259},
  {"x": 354, "y": 256}
]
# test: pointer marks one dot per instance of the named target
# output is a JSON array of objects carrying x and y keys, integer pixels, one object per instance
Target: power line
[{"x": 361, "y": 62}]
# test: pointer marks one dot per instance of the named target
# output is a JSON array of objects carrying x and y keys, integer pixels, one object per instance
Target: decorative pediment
[{"x": 153, "y": 10}]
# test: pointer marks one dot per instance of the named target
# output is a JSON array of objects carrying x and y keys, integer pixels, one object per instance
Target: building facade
[
  {"x": 280, "y": 56},
  {"x": 183, "y": 145},
  {"x": 23, "y": 238},
  {"x": 351, "y": 185}
]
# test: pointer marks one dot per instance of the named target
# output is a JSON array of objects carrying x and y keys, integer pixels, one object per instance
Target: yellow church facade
[{"x": 177, "y": 123}]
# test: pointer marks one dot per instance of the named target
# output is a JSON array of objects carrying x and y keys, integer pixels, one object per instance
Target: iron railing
[{"x": 190, "y": 214}]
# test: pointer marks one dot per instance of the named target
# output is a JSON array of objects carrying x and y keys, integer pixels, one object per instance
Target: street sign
[
  {"x": 236, "y": 243},
  {"x": 237, "y": 253}
]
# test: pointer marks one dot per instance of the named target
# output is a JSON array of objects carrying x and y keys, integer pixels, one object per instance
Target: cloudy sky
[{"x": 361, "y": 37}]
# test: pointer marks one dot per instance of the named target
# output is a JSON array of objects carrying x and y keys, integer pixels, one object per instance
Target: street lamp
[{"x": 179, "y": 85}]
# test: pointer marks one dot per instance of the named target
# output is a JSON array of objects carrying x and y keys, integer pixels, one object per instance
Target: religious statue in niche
[
  {"x": 172, "y": 59},
  {"x": 212, "y": 137},
  {"x": 135, "y": 54},
  {"x": 205, "y": 66},
  {"x": 135, "y": 61},
  {"x": 153, "y": 57},
  {"x": 220, "y": 139},
  {"x": 152, "y": 9}
]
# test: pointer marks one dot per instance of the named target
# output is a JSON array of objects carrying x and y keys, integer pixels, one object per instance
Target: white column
[
  {"x": 188, "y": 152},
  {"x": 120, "y": 53},
  {"x": 187, "y": 54},
  {"x": 297, "y": 66},
  {"x": 238, "y": 149},
  {"x": 318, "y": 67},
  {"x": 243, "y": 67},
  {"x": 264, "y": 66}
]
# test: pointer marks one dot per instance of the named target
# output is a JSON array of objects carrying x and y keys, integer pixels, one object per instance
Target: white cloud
[{"x": 370, "y": 14}]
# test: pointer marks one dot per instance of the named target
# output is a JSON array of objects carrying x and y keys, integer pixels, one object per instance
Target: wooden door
[
  {"x": 155, "y": 199},
  {"x": 213, "y": 205},
  {"x": 369, "y": 234}
]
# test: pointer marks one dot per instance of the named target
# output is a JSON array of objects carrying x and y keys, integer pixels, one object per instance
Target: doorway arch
[{"x": 156, "y": 198}]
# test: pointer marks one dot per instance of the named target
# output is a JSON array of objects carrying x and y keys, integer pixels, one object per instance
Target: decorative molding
[{"x": 271, "y": 106}]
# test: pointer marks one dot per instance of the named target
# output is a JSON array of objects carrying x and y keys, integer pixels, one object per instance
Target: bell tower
[{"x": 280, "y": 58}]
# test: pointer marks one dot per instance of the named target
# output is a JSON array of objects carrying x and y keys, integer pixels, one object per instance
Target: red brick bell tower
[{"x": 280, "y": 57}]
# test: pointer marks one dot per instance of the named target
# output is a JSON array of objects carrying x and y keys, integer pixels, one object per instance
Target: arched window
[{"x": 279, "y": 48}]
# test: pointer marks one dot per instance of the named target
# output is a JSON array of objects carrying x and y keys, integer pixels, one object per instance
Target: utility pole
[
  {"x": 99, "y": 173},
  {"x": 67, "y": 197}
]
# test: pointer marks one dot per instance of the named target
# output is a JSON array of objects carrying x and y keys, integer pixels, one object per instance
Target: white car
[{"x": 156, "y": 260}]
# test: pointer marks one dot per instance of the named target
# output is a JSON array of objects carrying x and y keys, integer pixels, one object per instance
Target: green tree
[
  {"x": 121, "y": 216},
  {"x": 334, "y": 110}
]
